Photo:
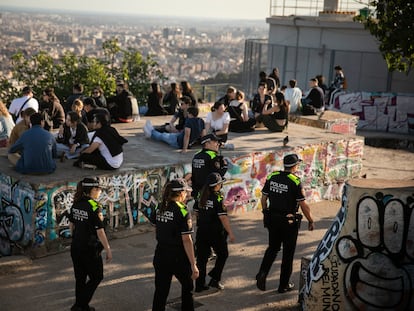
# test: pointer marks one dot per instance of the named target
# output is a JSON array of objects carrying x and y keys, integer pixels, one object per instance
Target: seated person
[
  {"x": 239, "y": 115},
  {"x": 77, "y": 107},
  {"x": 105, "y": 149},
  {"x": 120, "y": 105},
  {"x": 230, "y": 95},
  {"x": 275, "y": 118},
  {"x": 193, "y": 130},
  {"x": 37, "y": 149},
  {"x": 154, "y": 101},
  {"x": 181, "y": 114},
  {"x": 51, "y": 105},
  {"x": 314, "y": 101},
  {"x": 72, "y": 137},
  {"x": 92, "y": 109},
  {"x": 6, "y": 125},
  {"x": 217, "y": 121},
  {"x": 260, "y": 99}
]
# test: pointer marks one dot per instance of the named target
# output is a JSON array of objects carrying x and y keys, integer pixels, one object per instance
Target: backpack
[{"x": 131, "y": 109}]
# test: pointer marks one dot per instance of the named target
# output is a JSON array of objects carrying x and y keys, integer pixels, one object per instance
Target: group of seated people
[
  {"x": 228, "y": 114},
  {"x": 84, "y": 134}
]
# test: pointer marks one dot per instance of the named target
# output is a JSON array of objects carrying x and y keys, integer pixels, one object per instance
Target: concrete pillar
[{"x": 366, "y": 259}]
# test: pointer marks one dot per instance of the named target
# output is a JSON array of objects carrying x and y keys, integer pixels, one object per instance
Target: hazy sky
[{"x": 234, "y": 9}]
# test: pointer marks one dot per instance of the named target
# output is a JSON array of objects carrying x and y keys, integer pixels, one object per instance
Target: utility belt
[{"x": 291, "y": 218}]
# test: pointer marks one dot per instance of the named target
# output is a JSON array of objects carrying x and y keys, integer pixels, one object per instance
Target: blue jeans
[
  {"x": 169, "y": 138},
  {"x": 62, "y": 148}
]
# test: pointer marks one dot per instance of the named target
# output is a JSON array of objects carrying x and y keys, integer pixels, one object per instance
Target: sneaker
[
  {"x": 149, "y": 125},
  {"x": 287, "y": 288},
  {"x": 261, "y": 281},
  {"x": 216, "y": 284}
]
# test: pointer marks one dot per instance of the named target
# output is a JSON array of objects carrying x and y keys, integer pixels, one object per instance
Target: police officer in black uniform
[
  {"x": 206, "y": 161},
  {"x": 213, "y": 227},
  {"x": 174, "y": 254},
  {"x": 88, "y": 241},
  {"x": 284, "y": 191}
]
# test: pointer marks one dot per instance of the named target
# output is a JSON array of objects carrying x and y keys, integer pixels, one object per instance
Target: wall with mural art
[
  {"x": 382, "y": 112},
  {"x": 366, "y": 259},
  {"x": 32, "y": 217}
]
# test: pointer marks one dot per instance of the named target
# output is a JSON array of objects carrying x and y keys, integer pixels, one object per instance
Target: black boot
[{"x": 261, "y": 280}]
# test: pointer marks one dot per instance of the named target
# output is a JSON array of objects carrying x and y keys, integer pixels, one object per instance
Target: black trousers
[
  {"x": 88, "y": 269},
  {"x": 94, "y": 158},
  {"x": 280, "y": 232},
  {"x": 204, "y": 242},
  {"x": 170, "y": 262}
]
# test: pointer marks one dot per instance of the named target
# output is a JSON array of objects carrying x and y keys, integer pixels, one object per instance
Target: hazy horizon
[{"x": 211, "y": 9}]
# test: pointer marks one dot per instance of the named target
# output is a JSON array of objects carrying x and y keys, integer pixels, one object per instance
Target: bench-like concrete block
[{"x": 366, "y": 259}]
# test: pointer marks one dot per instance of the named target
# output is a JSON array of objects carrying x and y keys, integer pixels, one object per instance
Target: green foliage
[
  {"x": 392, "y": 24},
  {"x": 41, "y": 71}
]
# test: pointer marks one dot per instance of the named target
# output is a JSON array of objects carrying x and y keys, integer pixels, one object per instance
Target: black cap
[
  {"x": 214, "y": 179},
  {"x": 338, "y": 67},
  {"x": 90, "y": 182},
  {"x": 179, "y": 185},
  {"x": 291, "y": 160},
  {"x": 186, "y": 99},
  {"x": 208, "y": 138}
]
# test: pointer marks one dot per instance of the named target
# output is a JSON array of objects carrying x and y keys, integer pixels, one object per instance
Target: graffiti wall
[
  {"x": 383, "y": 112},
  {"x": 31, "y": 217},
  {"x": 366, "y": 259}
]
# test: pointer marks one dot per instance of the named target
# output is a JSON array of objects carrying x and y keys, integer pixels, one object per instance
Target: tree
[
  {"x": 392, "y": 24},
  {"x": 41, "y": 71}
]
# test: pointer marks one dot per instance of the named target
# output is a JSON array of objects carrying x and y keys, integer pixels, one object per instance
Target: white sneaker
[
  {"x": 148, "y": 125},
  {"x": 147, "y": 130}
]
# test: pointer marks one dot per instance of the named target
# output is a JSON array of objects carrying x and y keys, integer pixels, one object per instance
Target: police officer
[
  {"x": 88, "y": 241},
  {"x": 213, "y": 227},
  {"x": 205, "y": 162},
  {"x": 284, "y": 191},
  {"x": 174, "y": 254}
]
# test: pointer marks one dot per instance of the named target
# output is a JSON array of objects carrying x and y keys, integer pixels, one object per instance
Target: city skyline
[{"x": 229, "y": 9}]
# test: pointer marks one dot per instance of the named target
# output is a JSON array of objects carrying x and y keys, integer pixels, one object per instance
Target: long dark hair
[
  {"x": 167, "y": 196},
  {"x": 280, "y": 99}
]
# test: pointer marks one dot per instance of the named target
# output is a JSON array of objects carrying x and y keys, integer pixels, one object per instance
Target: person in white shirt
[
  {"x": 22, "y": 103},
  {"x": 293, "y": 96},
  {"x": 217, "y": 122}
]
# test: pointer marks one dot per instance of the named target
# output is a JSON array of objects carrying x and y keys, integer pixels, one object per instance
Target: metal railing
[{"x": 312, "y": 7}]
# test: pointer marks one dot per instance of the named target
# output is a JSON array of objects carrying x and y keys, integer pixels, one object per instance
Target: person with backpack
[
  {"x": 22, "y": 103},
  {"x": 123, "y": 105}
]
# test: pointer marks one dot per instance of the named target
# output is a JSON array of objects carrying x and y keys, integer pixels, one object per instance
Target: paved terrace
[{"x": 37, "y": 205}]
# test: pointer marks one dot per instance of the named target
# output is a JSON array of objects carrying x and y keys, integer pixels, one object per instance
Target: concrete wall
[
  {"x": 366, "y": 259},
  {"x": 33, "y": 218},
  {"x": 382, "y": 112}
]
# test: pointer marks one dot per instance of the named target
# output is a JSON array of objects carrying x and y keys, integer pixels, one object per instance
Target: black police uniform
[
  {"x": 86, "y": 250},
  {"x": 170, "y": 257},
  {"x": 284, "y": 191},
  {"x": 211, "y": 234},
  {"x": 204, "y": 163}
]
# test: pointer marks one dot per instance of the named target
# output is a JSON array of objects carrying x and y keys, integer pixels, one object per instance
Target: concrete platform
[{"x": 34, "y": 208}]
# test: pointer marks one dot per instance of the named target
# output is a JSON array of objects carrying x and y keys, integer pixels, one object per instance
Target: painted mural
[
  {"x": 366, "y": 259},
  {"x": 383, "y": 112},
  {"x": 31, "y": 218}
]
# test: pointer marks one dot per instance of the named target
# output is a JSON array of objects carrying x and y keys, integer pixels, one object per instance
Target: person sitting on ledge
[
  {"x": 276, "y": 117},
  {"x": 105, "y": 150},
  {"x": 37, "y": 149},
  {"x": 193, "y": 129}
]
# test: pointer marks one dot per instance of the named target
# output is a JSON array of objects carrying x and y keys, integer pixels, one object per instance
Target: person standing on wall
[
  {"x": 174, "y": 254},
  {"x": 88, "y": 241},
  {"x": 283, "y": 190}
]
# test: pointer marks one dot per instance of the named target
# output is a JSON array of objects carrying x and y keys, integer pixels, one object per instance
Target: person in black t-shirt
[
  {"x": 284, "y": 192},
  {"x": 174, "y": 254},
  {"x": 213, "y": 227},
  {"x": 88, "y": 241}
]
